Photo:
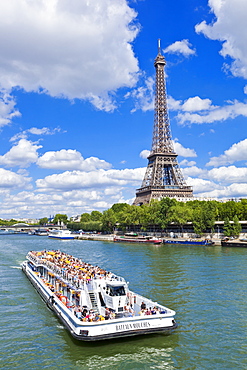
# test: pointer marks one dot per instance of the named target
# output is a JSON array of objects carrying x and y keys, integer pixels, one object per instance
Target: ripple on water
[{"x": 206, "y": 286}]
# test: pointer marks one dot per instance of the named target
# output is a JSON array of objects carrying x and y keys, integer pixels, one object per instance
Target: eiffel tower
[{"x": 163, "y": 177}]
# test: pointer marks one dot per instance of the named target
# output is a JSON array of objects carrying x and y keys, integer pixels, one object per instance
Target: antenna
[{"x": 159, "y": 46}]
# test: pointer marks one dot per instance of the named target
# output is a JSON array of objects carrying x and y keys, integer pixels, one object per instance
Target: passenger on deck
[{"x": 143, "y": 306}]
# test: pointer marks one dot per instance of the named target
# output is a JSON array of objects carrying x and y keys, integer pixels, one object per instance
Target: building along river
[{"x": 206, "y": 286}]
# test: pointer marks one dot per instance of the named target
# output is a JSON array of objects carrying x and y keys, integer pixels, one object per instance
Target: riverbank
[{"x": 110, "y": 238}]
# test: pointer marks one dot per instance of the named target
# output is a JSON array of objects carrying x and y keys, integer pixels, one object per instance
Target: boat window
[{"x": 115, "y": 290}]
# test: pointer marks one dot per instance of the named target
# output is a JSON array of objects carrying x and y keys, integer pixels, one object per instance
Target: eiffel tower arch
[{"x": 163, "y": 177}]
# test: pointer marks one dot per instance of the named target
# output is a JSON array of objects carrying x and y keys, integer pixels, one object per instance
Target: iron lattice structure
[{"x": 163, "y": 177}]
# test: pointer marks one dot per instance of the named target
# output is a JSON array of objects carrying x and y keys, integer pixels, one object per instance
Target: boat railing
[{"x": 138, "y": 299}]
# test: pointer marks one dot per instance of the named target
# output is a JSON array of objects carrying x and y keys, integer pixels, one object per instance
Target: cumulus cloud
[
  {"x": 70, "y": 160},
  {"x": 69, "y": 180},
  {"x": 226, "y": 192},
  {"x": 22, "y": 154},
  {"x": 65, "y": 48},
  {"x": 180, "y": 47},
  {"x": 200, "y": 186},
  {"x": 228, "y": 175},
  {"x": 182, "y": 151},
  {"x": 144, "y": 153},
  {"x": 7, "y": 108},
  {"x": 237, "y": 152},
  {"x": 35, "y": 131},
  {"x": 143, "y": 96},
  {"x": 185, "y": 162},
  {"x": 209, "y": 113},
  {"x": 196, "y": 104},
  {"x": 230, "y": 29},
  {"x": 10, "y": 180}
]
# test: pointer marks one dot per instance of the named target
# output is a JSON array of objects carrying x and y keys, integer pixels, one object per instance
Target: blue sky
[{"x": 76, "y": 100}]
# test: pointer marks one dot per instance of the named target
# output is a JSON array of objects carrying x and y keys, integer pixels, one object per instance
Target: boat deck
[{"x": 65, "y": 271}]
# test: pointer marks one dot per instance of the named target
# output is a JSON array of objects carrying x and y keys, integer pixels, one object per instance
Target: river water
[{"x": 206, "y": 286}]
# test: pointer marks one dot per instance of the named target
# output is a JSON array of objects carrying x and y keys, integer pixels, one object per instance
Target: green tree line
[{"x": 202, "y": 214}]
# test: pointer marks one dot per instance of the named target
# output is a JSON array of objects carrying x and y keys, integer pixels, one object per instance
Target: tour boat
[
  {"x": 188, "y": 241},
  {"x": 61, "y": 234},
  {"x": 93, "y": 304},
  {"x": 137, "y": 239}
]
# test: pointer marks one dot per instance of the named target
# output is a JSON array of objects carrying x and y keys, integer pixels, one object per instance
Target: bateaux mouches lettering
[{"x": 131, "y": 326}]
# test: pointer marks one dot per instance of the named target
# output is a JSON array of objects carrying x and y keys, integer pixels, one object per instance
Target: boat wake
[{"x": 16, "y": 267}]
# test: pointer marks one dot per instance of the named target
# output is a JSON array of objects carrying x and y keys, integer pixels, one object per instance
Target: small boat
[
  {"x": 137, "y": 239},
  {"x": 61, "y": 234},
  {"x": 6, "y": 232},
  {"x": 188, "y": 241},
  {"x": 93, "y": 304},
  {"x": 237, "y": 243}
]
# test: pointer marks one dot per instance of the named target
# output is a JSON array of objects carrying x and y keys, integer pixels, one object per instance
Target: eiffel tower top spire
[
  {"x": 163, "y": 177},
  {"x": 161, "y": 133}
]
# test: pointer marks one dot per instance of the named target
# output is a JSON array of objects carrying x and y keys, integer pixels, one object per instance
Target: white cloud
[
  {"x": 185, "y": 162},
  {"x": 195, "y": 172},
  {"x": 143, "y": 96},
  {"x": 231, "y": 110},
  {"x": 183, "y": 152},
  {"x": 144, "y": 153},
  {"x": 96, "y": 179},
  {"x": 65, "y": 48},
  {"x": 237, "y": 152},
  {"x": 22, "y": 154},
  {"x": 70, "y": 160},
  {"x": 228, "y": 175},
  {"x": 35, "y": 131},
  {"x": 10, "y": 180},
  {"x": 196, "y": 104},
  {"x": 7, "y": 108},
  {"x": 227, "y": 192},
  {"x": 200, "y": 186},
  {"x": 180, "y": 47},
  {"x": 230, "y": 29}
]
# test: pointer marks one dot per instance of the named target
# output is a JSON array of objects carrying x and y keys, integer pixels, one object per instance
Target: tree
[
  {"x": 108, "y": 220},
  {"x": 119, "y": 207},
  {"x": 227, "y": 228},
  {"x": 165, "y": 206},
  {"x": 85, "y": 217},
  {"x": 96, "y": 216},
  {"x": 43, "y": 221},
  {"x": 236, "y": 227},
  {"x": 179, "y": 214},
  {"x": 60, "y": 218}
]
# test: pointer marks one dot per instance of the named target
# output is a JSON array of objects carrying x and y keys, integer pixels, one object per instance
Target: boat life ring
[{"x": 63, "y": 299}]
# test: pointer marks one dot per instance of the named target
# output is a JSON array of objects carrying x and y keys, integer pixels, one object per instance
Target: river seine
[{"x": 206, "y": 286}]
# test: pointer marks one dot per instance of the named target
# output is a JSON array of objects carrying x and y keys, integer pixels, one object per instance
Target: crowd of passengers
[
  {"x": 89, "y": 315},
  {"x": 81, "y": 271},
  {"x": 74, "y": 268}
]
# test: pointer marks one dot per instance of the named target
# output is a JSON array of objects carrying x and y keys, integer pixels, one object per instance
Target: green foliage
[
  {"x": 8, "y": 223},
  {"x": 227, "y": 227},
  {"x": 43, "y": 221},
  {"x": 96, "y": 216},
  {"x": 85, "y": 217},
  {"x": 236, "y": 227},
  {"x": 109, "y": 220},
  {"x": 60, "y": 218},
  {"x": 202, "y": 214}
]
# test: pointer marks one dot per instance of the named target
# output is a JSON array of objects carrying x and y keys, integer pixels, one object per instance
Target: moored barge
[
  {"x": 137, "y": 239},
  {"x": 92, "y": 303}
]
